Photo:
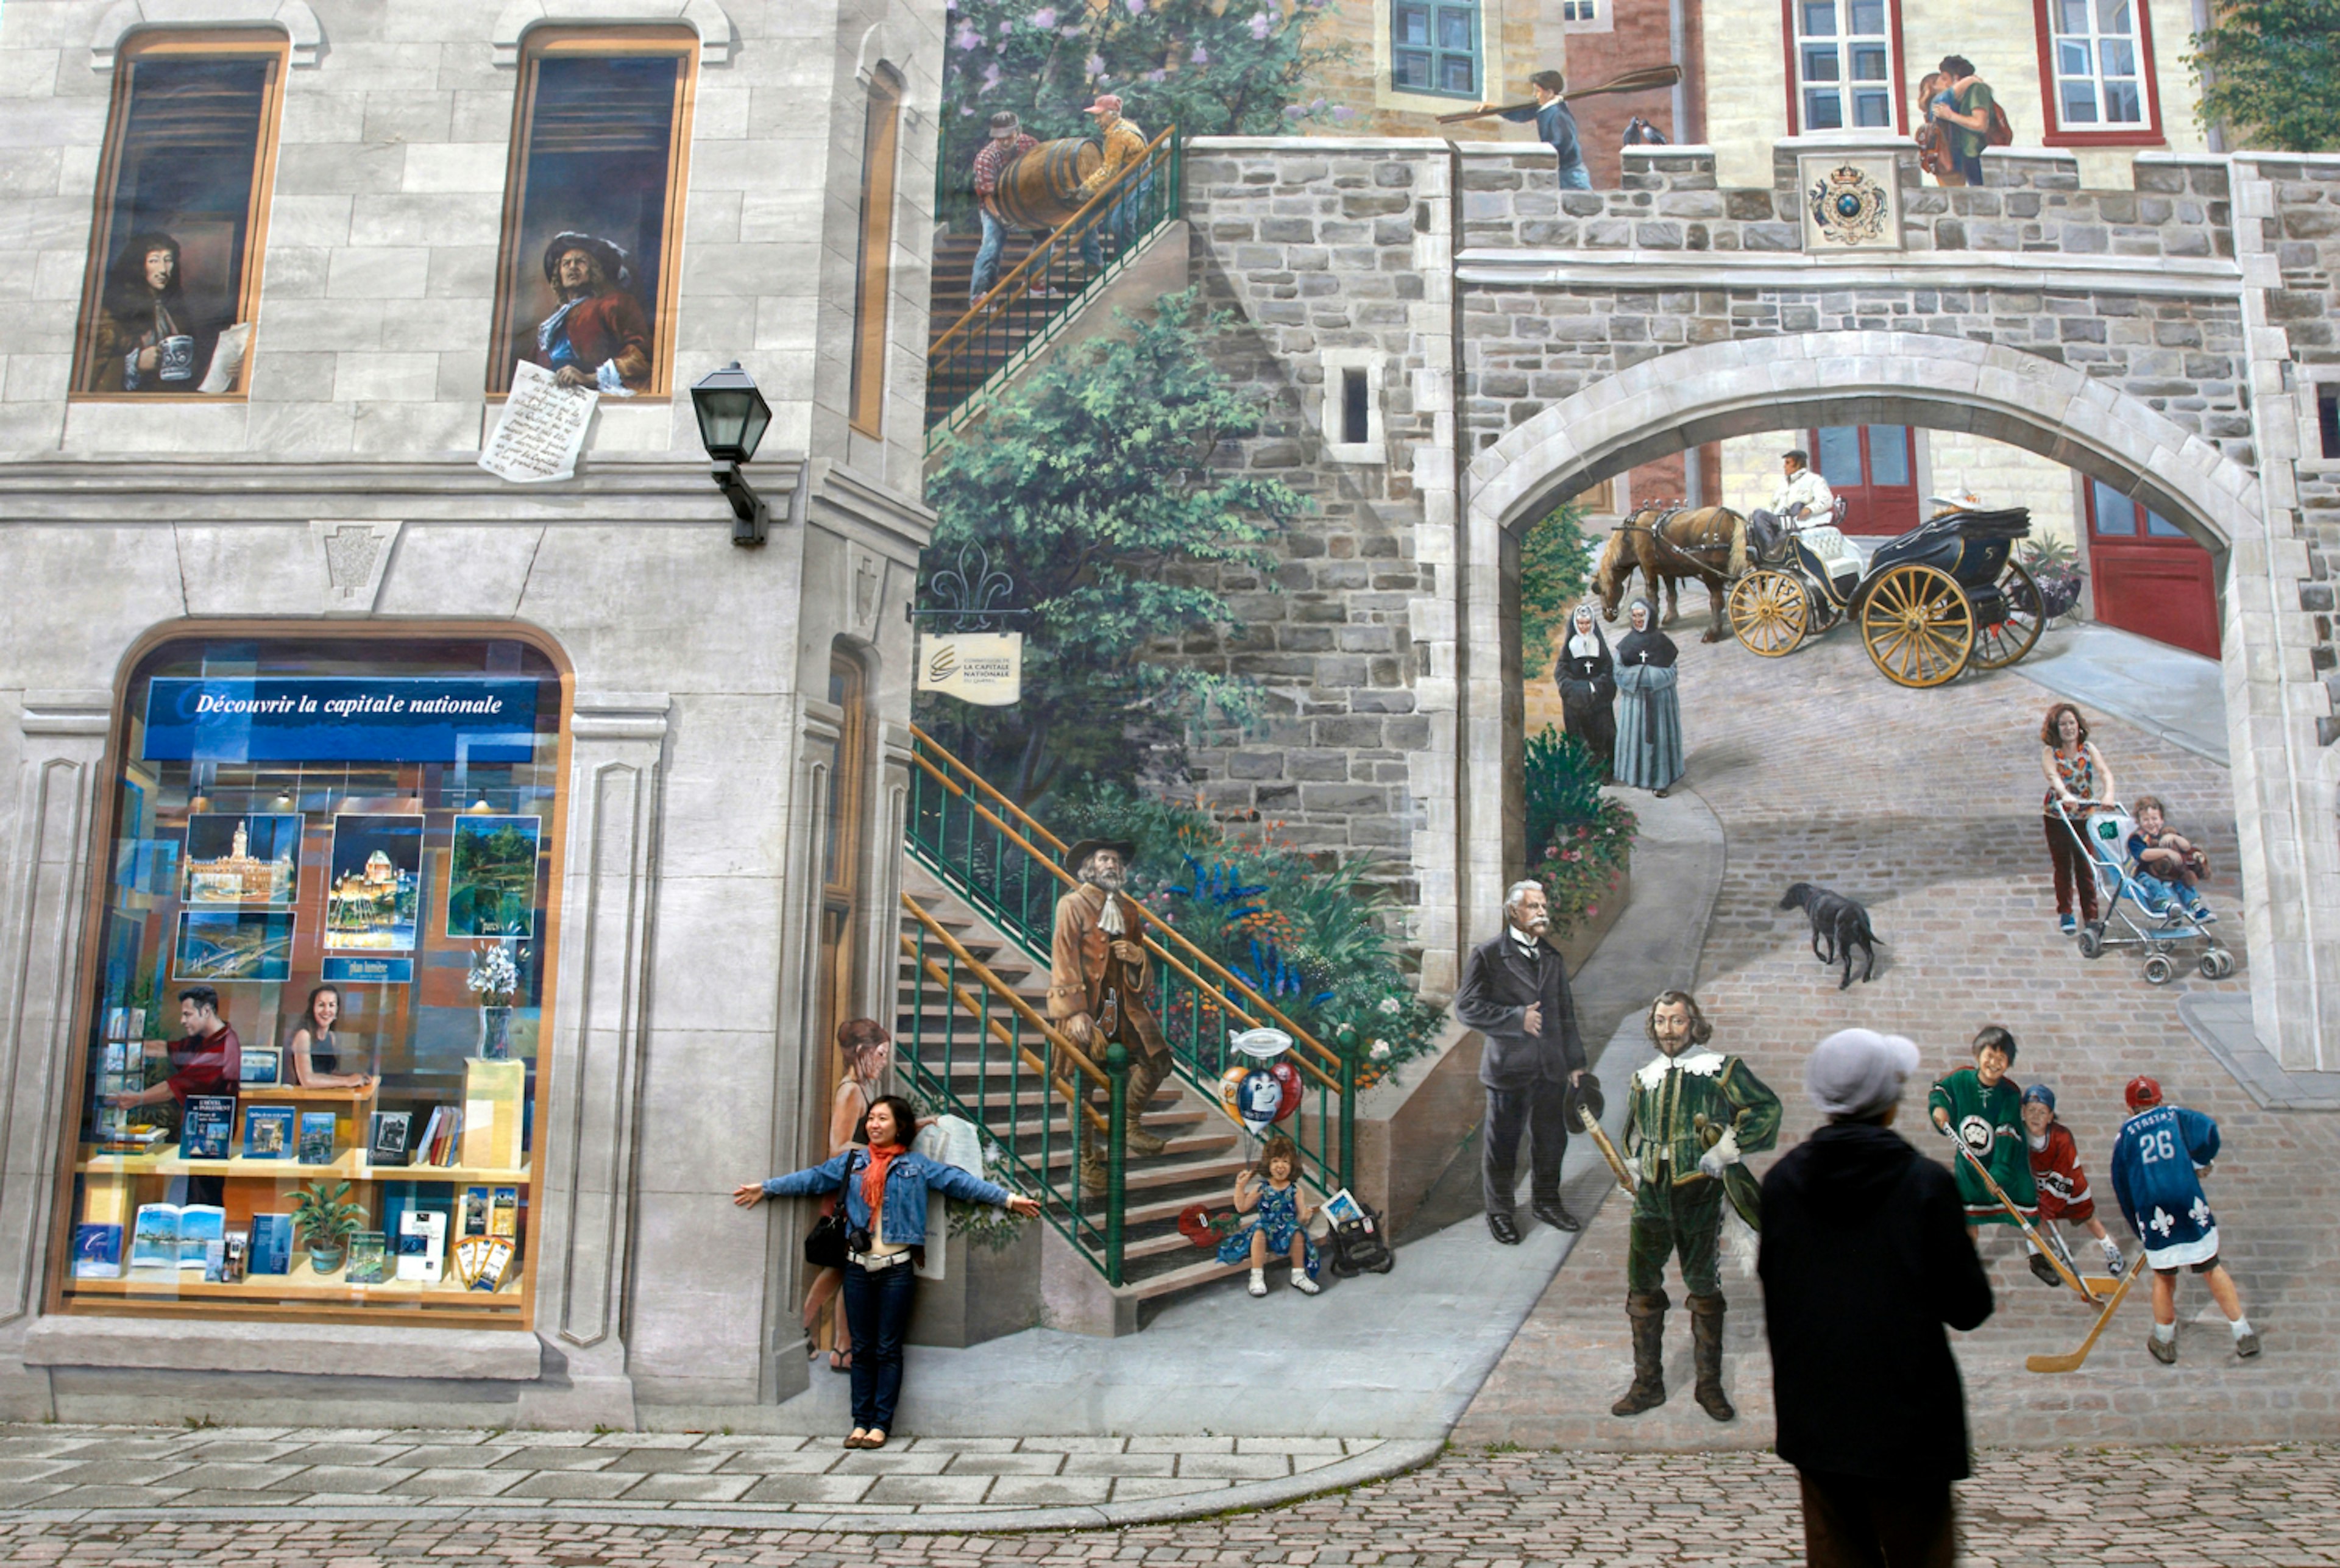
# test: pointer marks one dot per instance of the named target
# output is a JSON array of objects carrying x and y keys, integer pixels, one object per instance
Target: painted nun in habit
[
  {"x": 1649, "y": 719},
  {"x": 1588, "y": 686}
]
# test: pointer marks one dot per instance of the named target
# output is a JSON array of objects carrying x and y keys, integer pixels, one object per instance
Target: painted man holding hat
[
  {"x": 1515, "y": 993},
  {"x": 1097, "y": 993},
  {"x": 598, "y": 336},
  {"x": 1694, "y": 1115},
  {"x": 1864, "y": 1260}
]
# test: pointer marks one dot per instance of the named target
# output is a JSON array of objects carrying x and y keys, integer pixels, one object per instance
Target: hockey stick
[
  {"x": 1646, "y": 80},
  {"x": 1991, "y": 1185},
  {"x": 2072, "y": 1363},
  {"x": 2099, "y": 1286}
]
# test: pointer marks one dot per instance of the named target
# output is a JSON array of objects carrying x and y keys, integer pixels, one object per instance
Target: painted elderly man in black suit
[{"x": 1514, "y": 992}]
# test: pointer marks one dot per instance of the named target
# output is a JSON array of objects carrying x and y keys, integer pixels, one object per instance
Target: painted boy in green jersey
[{"x": 1984, "y": 1107}]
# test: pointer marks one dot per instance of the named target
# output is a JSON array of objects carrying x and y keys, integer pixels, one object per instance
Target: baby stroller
[{"x": 2102, "y": 830}]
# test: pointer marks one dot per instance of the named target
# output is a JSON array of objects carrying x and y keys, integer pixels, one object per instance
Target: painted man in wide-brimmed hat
[
  {"x": 598, "y": 336},
  {"x": 1096, "y": 992}
]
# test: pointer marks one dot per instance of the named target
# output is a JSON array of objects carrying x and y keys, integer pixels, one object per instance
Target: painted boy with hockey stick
[
  {"x": 2158, "y": 1159},
  {"x": 2065, "y": 1198},
  {"x": 1983, "y": 1107}
]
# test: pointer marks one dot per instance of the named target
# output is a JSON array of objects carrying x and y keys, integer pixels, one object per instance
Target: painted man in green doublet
[
  {"x": 1694, "y": 1115},
  {"x": 1984, "y": 1107}
]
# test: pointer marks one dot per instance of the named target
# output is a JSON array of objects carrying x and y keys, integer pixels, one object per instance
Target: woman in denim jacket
[{"x": 885, "y": 1189}]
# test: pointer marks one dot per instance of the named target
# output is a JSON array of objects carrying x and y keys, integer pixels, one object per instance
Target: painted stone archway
[{"x": 2291, "y": 877}]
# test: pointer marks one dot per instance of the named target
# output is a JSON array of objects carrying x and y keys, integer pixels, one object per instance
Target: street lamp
[{"x": 732, "y": 417}]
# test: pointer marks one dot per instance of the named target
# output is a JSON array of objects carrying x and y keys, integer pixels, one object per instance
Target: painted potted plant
[
  {"x": 494, "y": 979},
  {"x": 327, "y": 1220}
]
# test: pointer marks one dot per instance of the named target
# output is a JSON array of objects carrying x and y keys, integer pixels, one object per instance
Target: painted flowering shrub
[{"x": 1579, "y": 840}]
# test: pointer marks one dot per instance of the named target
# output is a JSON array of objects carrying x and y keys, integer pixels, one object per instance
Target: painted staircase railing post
[{"x": 1116, "y": 1067}]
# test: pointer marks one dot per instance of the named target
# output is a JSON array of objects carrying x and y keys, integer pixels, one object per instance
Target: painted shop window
[
  {"x": 2097, "y": 57},
  {"x": 880, "y": 144},
  {"x": 1842, "y": 64},
  {"x": 1434, "y": 47},
  {"x": 587, "y": 280},
  {"x": 183, "y": 190},
  {"x": 318, "y": 983}
]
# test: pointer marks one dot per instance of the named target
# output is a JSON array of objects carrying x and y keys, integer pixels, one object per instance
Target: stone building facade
[
  {"x": 719, "y": 733},
  {"x": 1529, "y": 343}
]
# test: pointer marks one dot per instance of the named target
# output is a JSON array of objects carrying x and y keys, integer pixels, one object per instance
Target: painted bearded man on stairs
[
  {"x": 1695, "y": 1115},
  {"x": 1096, "y": 993}
]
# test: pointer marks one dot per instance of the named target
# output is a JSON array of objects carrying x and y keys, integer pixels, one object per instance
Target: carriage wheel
[
  {"x": 2003, "y": 642},
  {"x": 1770, "y": 613},
  {"x": 1917, "y": 625}
]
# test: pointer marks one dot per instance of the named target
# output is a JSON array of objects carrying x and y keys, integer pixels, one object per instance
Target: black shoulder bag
[{"x": 824, "y": 1243}]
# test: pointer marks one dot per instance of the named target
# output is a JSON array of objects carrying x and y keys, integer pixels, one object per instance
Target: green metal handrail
[
  {"x": 1025, "y": 311},
  {"x": 983, "y": 1026},
  {"x": 1006, "y": 866}
]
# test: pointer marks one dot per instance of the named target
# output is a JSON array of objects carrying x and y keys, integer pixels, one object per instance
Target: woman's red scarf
[{"x": 873, "y": 1185}]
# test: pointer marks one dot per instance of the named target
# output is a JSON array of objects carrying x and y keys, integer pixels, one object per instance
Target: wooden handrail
[
  {"x": 1015, "y": 283},
  {"x": 1001, "y": 1033},
  {"x": 1164, "y": 927},
  {"x": 1006, "y": 992}
]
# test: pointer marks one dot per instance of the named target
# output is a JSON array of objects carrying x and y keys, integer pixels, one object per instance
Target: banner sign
[
  {"x": 369, "y": 971},
  {"x": 986, "y": 669},
  {"x": 339, "y": 718}
]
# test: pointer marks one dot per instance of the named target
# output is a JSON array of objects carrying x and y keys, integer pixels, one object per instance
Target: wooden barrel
[{"x": 1041, "y": 186}]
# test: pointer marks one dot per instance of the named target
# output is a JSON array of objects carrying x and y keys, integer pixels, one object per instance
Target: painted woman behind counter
[{"x": 314, "y": 1053}]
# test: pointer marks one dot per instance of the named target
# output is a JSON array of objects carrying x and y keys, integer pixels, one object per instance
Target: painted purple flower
[
  {"x": 1201, "y": 56},
  {"x": 966, "y": 38},
  {"x": 1044, "y": 18},
  {"x": 1157, "y": 75},
  {"x": 1136, "y": 7},
  {"x": 1343, "y": 112},
  {"x": 1293, "y": 111},
  {"x": 990, "y": 77},
  {"x": 1093, "y": 65},
  {"x": 1260, "y": 26}
]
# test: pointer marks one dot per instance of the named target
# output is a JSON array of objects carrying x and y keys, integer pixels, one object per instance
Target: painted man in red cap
[
  {"x": 2158, "y": 1160},
  {"x": 1125, "y": 143},
  {"x": 1097, "y": 993},
  {"x": 596, "y": 337}
]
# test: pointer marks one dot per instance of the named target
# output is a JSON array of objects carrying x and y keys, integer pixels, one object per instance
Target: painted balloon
[
  {"x": 1287, "y": 1078},
  {"x": 1260, "y": 1101}
]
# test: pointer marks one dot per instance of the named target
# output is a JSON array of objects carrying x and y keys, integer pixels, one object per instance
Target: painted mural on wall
[
  {"x": 168, "y": 310},
  {"x": 585, "y": 291}
]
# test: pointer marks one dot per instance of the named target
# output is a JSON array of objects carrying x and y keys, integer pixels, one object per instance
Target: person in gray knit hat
[{"x": 1864, "y": 1258}]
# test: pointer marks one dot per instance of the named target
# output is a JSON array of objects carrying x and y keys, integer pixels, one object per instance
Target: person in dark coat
[
  {"x": 1587, "y": 676},
  {"x": 1514, "y": 992},
  {"x": 1649, "y": 721},
  {"x": 1864, "y": 1258}
]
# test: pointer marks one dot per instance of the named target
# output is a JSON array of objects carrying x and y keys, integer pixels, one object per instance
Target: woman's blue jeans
[{"x": 877, "y": 1310}]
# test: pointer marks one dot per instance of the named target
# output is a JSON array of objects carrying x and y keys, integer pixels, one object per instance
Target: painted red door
[
  {"x": 2148, "y": 577},
  {"x": 1874, "y": 469}
]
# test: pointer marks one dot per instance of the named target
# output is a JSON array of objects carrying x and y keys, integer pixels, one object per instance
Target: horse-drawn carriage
[{"x": 1941, "y": 598}]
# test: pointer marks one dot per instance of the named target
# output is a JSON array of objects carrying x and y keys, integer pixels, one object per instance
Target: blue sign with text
[{"x": 339, "y": 718}]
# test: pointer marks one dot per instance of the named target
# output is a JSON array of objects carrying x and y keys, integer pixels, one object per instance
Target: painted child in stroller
[{"x": 2137, "y": 911}]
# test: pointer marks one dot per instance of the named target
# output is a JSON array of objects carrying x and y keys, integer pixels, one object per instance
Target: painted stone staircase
[{"x": 1203, "y": 1148}]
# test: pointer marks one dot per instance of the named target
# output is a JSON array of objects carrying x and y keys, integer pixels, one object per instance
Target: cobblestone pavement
[
  {"x": 1925, "y": 805},
  {"x": 54, "y": 1468},
  {"x": 2174, "y": 1507}
]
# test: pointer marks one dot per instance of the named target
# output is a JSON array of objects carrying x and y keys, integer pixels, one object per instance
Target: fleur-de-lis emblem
[
  {"x": 2162, "y": 1223},
  {"x": 2199, "y": 1213}
]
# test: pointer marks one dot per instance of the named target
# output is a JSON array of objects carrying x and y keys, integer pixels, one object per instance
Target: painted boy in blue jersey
[
  {"x": 2158, "y": 1159},
  {"x": 1555, "y": 127}
]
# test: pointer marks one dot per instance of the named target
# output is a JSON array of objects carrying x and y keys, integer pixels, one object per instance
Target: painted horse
[{"x": 1706, "y": 544}]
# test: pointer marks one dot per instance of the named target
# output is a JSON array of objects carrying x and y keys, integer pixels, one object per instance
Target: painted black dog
[{"x": 1842, "y": 921}]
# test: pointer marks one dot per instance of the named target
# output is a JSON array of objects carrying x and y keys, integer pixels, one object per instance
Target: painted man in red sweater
[{"x": 208, "y": 1061}]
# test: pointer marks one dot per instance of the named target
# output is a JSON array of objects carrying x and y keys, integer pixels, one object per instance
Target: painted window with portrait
[
  {"x": 182, "y": 189},
  {"x": 586, "y": 284}
]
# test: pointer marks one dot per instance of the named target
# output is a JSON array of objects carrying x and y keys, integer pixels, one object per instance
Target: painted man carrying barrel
[
  {"x": 1125, "y": 144},
  {"x": 1009, "y": 141}
]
